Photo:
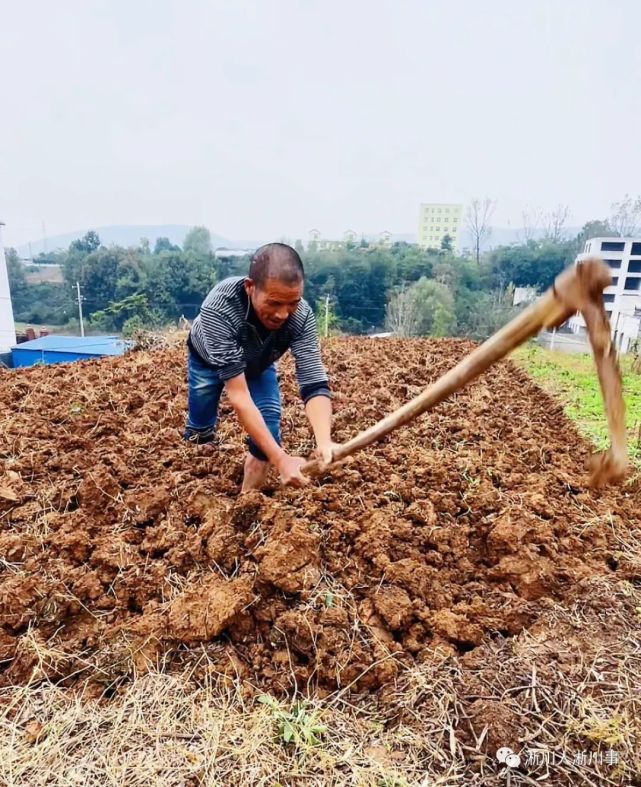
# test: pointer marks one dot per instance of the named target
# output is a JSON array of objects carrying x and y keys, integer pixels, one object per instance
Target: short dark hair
[{"x": 276, "y": 261}]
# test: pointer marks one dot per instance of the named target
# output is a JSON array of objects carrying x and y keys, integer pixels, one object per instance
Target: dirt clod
[
  {"x": 204, "y": 611},
  {"x": 122, "y": 545}
]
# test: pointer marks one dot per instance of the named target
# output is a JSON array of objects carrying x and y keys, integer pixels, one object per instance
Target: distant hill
[
  {"x": 124, "y": 235},
  {"x": 130, "y": 235}
]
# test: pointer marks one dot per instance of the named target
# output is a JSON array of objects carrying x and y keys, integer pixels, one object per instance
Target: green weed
[{"x": 297, "y": 725}]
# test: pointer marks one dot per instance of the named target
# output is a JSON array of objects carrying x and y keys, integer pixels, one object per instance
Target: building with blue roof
[{"x": 63, "y": 349}]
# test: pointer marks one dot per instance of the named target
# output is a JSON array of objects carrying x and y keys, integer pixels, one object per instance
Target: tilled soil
[{"x": 122, "y": 546}]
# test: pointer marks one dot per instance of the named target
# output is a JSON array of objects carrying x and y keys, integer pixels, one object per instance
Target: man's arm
[
  {"x": 253, "y": 423},
  {"x": 319, "y": 414},
  {"x": 314, "y": 386}
]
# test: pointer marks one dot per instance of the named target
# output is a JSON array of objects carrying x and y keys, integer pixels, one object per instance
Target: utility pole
[
  {"x": 326, "y": 316},
  {"x": 82, "y": 325}
]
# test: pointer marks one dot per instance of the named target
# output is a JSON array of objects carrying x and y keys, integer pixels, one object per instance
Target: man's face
[{"x": 274, "y": 301}]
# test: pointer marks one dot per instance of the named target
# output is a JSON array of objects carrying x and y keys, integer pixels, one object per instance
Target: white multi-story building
[
  {"x": 435, "y": 221},
  {"x": 623, "y": 299},
  {"x": 7, "y": 325}
]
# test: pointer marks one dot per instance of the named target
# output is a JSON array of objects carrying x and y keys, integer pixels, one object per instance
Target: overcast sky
[{"x": 269, "y": 118}]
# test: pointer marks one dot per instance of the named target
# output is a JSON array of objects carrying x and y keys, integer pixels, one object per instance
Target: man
[{"x": 245, "y": 325}]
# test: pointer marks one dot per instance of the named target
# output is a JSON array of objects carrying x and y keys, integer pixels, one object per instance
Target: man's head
[{"x": 275, "y": 283}]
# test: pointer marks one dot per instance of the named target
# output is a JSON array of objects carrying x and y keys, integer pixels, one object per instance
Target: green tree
[
  {"x": 45, "y": 304},
  {"x": 198, "y": 242},
  {"x": 73, "y": 260},
  {"x": 164, "y": 244},
  {"x": 409, "y": 263},
  {"x": 424, "y": 309},
  {"x": 133, "y": 310},
  {"x": 231, "y": 265},
  {"x": 480, "y": 314},
  {"x": 177, "y": 283},
  {"x": 532, "y": 264},
  {"x": 131, "y": 274},
  {"x": 87, "y": 244},
  {"x": 446, "y": 243},
  {"x": 42, "y": 304},
  {"x": 17, "y": 277},
  {"x": 98, "y": 277},
  {"x": 361, "y": 281},
  {"x": 435, "y": 308}
]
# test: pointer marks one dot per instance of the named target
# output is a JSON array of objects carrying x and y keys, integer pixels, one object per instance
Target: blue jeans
[{"x": 205, "y": 389}]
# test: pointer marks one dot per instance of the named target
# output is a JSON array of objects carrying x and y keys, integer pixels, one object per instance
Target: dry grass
[
  {"x": 160, "y": 340},
  {"x": 573, "y": 682},
  {"x": 569, "y": 684}
]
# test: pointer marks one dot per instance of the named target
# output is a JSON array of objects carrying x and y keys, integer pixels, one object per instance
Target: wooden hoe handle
[{"x": 578, "y": 288}]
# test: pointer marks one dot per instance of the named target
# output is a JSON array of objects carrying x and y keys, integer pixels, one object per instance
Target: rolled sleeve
[
  {"x": 231, "y": 370},
  {"x": 308, "y": 392}
]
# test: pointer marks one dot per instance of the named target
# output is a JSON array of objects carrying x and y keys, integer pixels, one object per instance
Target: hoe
[{"x": 577, "y": 289}]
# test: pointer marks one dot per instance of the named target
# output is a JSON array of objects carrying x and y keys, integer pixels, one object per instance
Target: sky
[{"x": 266, "y": 119}]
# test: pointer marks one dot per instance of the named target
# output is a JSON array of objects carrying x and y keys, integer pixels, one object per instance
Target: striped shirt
[{"x": 228, "y": 336}]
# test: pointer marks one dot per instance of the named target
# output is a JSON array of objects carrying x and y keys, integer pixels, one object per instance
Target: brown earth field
[{"x": 125, "y": 550}]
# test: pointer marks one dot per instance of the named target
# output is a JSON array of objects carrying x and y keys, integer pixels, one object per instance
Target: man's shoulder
[
  {"x": 232, "y": 285},
  {"x": 228, "y": 291},
  {"x": 304, "y": 309},
  {"x": 302, "y": 316}
]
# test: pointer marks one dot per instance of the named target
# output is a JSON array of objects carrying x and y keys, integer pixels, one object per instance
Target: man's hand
[
  {"x": 325, "y": 452},
  {"x": 290, "y": 469}
]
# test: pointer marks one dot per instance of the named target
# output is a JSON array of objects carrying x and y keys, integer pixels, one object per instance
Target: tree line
[{"x": 357, "y": 289}]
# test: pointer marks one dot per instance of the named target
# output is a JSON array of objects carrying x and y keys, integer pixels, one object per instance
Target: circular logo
[{"x": 508, "y": 757}]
